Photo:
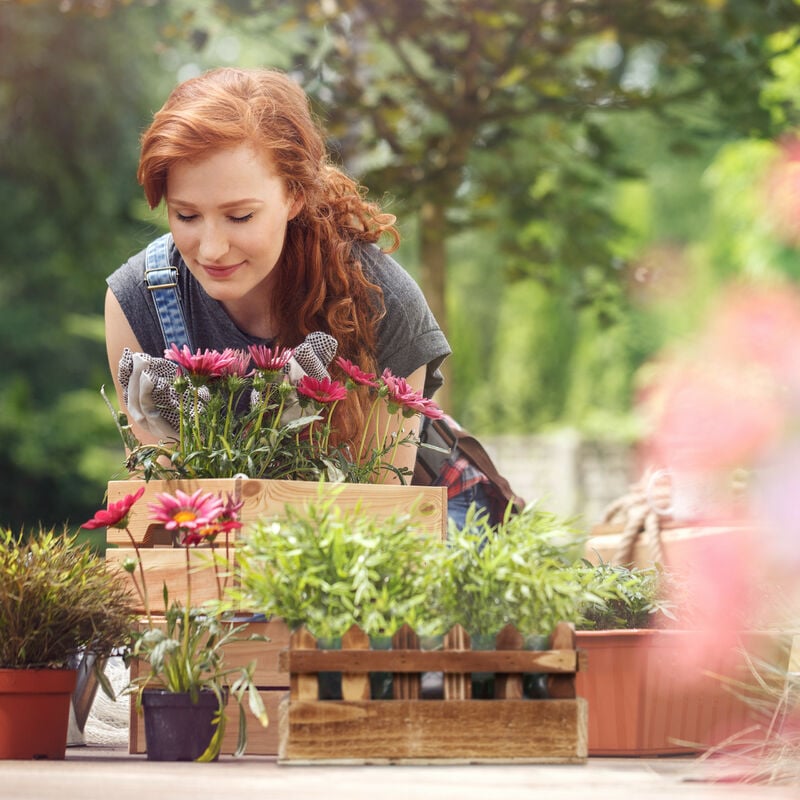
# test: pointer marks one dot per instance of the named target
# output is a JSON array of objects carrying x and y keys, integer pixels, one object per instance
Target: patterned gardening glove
[
  {"x": 148, "y": 392},
  {"x": 311, "y": 357}
]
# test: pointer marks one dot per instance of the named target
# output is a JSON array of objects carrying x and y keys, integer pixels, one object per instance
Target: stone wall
[{"x": 565, "y": 473}]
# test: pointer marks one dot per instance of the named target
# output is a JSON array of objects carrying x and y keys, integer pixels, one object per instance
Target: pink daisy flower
[
  {"x": 116, "y": 515},
  {"x": 324, "y": 391},
  {"x": 186, "y": 512},
  {"x": 208, "y": 363},
  {"x": 270, "y": 359},
  {"x": 356, "y": 374}
]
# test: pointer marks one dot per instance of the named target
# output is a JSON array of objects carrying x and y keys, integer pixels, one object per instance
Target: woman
[{"x": 271, "y": 241}]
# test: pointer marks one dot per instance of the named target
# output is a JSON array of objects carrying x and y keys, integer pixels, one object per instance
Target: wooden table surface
[{"x": 95, "y": 773}]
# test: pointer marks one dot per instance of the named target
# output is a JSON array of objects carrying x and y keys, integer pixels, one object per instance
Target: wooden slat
[
  {"x": 394, "y": 731},
  {"x": 410, "y": 661},
  {"x": 355, "y": 685},
  {"x": 406, "y": 686},
  {"x": 508, "y": 685},
  {"x": 562, "y": 685},
  {"x": 426, "y": 504},
  {"x": 457, "y": 685},
  {"x": 303, "y": 687},
  {"x": 168, "y": 565}
]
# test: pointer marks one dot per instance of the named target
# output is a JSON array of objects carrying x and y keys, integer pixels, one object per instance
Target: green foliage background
[{"x": 579, "y": 203}]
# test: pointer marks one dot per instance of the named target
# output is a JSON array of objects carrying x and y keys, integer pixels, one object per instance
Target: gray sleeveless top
[{"x": 408, "y": 334}]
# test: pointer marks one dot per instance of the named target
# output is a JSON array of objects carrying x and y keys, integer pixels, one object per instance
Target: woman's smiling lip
[{"x": 220, "y": 271}]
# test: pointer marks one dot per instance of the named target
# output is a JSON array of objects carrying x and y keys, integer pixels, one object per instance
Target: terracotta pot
[
  {"x": 644, "y": 699},
  {"x": 34, "y": 712},
  {"x": 175, "y": 728}
]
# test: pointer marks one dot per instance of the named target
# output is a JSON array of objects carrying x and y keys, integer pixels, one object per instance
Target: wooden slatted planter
[
  {"x": 409, "y": 729},
  {"x": 427, "y": 506}
]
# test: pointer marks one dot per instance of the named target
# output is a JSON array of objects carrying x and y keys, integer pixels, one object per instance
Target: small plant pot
[
  {"x": 34, "y": 712},
  {"x": 175, "y": 728}
]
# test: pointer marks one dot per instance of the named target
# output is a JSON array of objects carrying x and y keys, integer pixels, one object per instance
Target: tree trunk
[{"x": 433, "y": 276}]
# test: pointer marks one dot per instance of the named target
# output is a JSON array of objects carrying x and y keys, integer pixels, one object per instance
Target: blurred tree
[
  {"x": 436, "y": 102},
  {"x": 72, "y": 98}
]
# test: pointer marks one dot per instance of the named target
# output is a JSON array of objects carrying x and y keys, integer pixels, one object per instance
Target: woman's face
[{"x": 228, "y": 214}]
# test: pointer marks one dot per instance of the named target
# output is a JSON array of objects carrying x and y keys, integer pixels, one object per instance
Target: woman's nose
[{"x": 213, "y": 244}]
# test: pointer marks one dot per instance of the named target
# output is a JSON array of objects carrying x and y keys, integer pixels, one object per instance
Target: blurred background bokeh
[{"x": 576, "y": 182}]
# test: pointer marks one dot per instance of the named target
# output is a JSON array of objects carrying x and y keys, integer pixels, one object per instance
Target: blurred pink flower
[{"x": 782, "y": 191}]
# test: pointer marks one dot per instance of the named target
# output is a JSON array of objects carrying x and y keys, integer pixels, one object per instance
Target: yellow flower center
[{"x": 185, "y": 515}]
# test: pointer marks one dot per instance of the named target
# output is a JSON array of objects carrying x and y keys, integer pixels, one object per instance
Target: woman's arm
[{"x": 119, "y": 335}]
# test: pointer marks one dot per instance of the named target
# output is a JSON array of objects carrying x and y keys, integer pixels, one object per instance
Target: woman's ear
[{"x": 297, "y": 206}]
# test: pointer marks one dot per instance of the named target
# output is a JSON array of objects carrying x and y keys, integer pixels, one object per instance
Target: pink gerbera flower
[
  {"x": 208, "y": 363},
  {"x": 270, "y": 359},
  {"x": 186, "y": 512},
  {"x": 228, "y": 519},
  {"x": 322, "y": 391},
  {"x": 116, "y": 515},
  {"x": 356, "y": 374},
  {"x": 239, "y": 363},
  {"x": 400, "y": 393}
]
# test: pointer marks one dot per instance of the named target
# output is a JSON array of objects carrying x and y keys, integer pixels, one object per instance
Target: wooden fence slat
[
  {"x": 355, "y": 685},
  {"x": 508, "y": 685},
  {"x": 406, "y": 686},
  {"x": 411, "y": 661},
  {"x": 562, "y": 687},
  {"x": 303, "y": 686},
  {"x": 457, "y": 685}
]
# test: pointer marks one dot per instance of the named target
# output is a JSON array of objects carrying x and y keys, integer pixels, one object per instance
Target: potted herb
[
  {"x": 186, "y": 685},
  {"x": 328, "y": 568},
  {"x": 653, "y": 685},
  {"x": 57, "y": 602}
]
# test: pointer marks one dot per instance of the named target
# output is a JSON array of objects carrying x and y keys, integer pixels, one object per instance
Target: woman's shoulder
[{"x": 384, "y": 271}]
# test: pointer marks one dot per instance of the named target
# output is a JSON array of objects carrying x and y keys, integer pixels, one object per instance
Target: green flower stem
[
  {"x": 327, "y": 434},
  {"x": 373, "y": 406},
  {"x": 143, "y": 590}
]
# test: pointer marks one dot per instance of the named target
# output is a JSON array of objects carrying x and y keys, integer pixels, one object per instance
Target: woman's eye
[
  {"x": 184, "y": 217},
  {"x": 244, "y": 218}
]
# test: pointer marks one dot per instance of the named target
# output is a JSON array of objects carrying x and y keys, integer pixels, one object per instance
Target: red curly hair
[{"x": 321, "y": 284}]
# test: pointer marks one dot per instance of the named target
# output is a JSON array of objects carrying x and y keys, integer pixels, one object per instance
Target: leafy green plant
[
  {"x": 632, "y": 597},
  {"x": 328, "y": 568},
  {"x": 523, "y": 573},
  {"x": 57, "y": 600}
]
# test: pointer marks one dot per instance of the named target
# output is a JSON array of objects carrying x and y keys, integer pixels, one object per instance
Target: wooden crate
[
  {"x": 270, "y": 680},
  {"x": 427, "y": 506},
  {"x": 410, "y": 729}
]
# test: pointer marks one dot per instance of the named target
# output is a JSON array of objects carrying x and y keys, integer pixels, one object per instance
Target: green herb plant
[
  {"x": 329, "y": 568},
  {"x": 523, "y": 571},
  {"x": 58, "y": 599}
]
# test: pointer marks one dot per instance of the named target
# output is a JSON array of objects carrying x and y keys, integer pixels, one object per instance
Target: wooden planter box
[
  {"x": 410, "y": 729},
  {"x": 272, "y": 686},
  {"x": 427, "y": 506},
  {"x": 645, "y": 701}
]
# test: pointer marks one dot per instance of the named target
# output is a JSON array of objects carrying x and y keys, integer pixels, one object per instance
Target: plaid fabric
[{"x": 458, "y": 475}]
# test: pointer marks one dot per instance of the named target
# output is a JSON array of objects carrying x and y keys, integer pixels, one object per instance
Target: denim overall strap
[{"x": 162, "y": 281}]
